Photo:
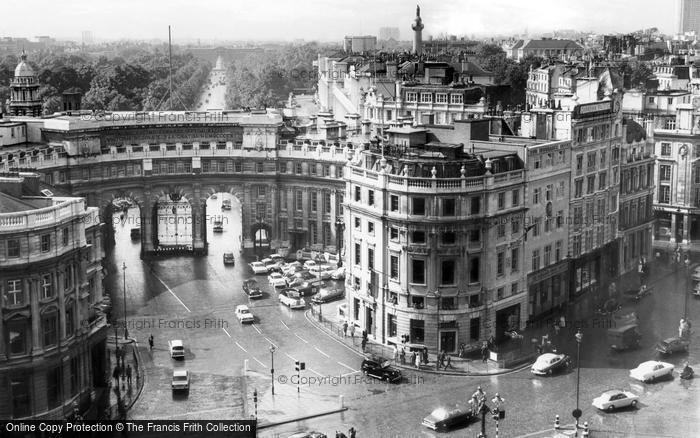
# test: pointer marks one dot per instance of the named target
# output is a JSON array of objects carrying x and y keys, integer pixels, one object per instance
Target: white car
[
  {"x": 651, "y": 370},
  {"x": 548, "y": 363},
  {"x": 181, "y": 380},
  {"x": 292, "y": 299},
  {"x": 177, "y": 348},
  {"x": 338, "y": 274},
  {"x": 243, "y": 314},
  {"x": 277, "y": 280},
  {"x": 309, "y": 264},
  {"x": 258, "y": 268},
  {"x": 614, "y": 399}
]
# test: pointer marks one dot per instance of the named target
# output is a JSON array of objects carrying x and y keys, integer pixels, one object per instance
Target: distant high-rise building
[
  {"x": 389, "y": 33},
  {"x": 689, "y": 16},
  {"x": 87, "y": 37}
]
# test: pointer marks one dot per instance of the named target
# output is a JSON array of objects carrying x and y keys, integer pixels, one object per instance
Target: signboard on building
[{"x": 593, "y": 109}]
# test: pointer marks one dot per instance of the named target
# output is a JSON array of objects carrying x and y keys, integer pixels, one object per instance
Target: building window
[
  {"x": 370, "y": 227},
  {"x": 46, "y": 287},
  {"x": 448, "y": 207},
  {"x": 418, "y": 271},
  {"x": 560, "y": 219},
  {"x": 49, "y": 326},
  {"x": 548, "y": 193},
  {"x": 411, "y": 97},
  {"x": 501, "y": 230},
  {"x": 418, "y": 237},
  {"x": 665, "y": 149},
  {"x": 70, "y": 320},
  {"x": 394, "y": 267},
  {"x": 474, "y": 236},
  {"x": 602, "y": 180},
  {"x": 417, "y": 331},
  {"x": 358, "y": 193},
  {"x": 515, "y": 198},
  {"x": 664, "y": 173},
  {"x": 13, "y": 248},
  {"x": 441, "y": 98},
  {"x": 391, "y": 325},
  {"x": 448, "y": 238},
  {"x": 74, "y": 376},
  {"x": 259, "y": 167},
  {"x": 14, "y": 295},
  {"x": 456, "y": 98},
  {"x": 514, "y": 259},
  {"x": 502, "y": 200},
  {"x": 393, "y": 233},
  {"x": 358, "y": 254},
  {"x": 447, "y": 272},
  {"x": 500, "y": 262},
  {"x": 536, "y": 196},
  {"x": 53, "y": 387},
  {"x": 312, "y": 169},
  {"x": 370, "y": 258},
  {"x": 298, "y": 200},
  {"x": 68, "y": 278},
  {"x": 394, "y": 203},
  {"x": 370, "y": 197},
  {"x": 579, "y": 162},
  {"x": 475, "y": 205},
  {"x": 536, "y": 228},
  {"x": 578, "y": 188},
  {"x": 547, "y": 255},
  {"x": 426, "y": 97},
  {"x": 474, "y": 270},
  {"x": 16, "y": 332},
  {"x": 590, "y": 186},
  {"x": 45, "y": 243},
  {"x": 20, "y": 390},
  {"x": 536, "y": 260},
  {"x": 664, "y": 194},
  {"x": 418, "y": 205},
  {"x": 65, "y": 237},
  {"x": 557, "y": 251},
  {"x": 314, "y": 202}
]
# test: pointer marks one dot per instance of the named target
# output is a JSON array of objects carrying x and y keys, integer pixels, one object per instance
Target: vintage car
[
  {"x": 326, "y": 295},
  {"x": 651, "y": 370},
  {"x": 615, "y": 399},
  {"x": 381, "y": 370},
  {"x": 258, "y": 268},
  {"x": 135, "y": 233},
  {"x": 292, "y": 299},
  {"x": 305, "y": 288},
  {"x": 252, "y": 289},
  {"x": 338, "y": 274},
  {"x": 276, "y": 280},
  {"x": 549, "y": 363},
  {"x": 181, "y": 380},
  {"x": 226, "y": 204},
  {"x": 177, "y": 348},
  {"x": 229, "y": 259},
  {"x": 444, "y": 418},
  {"x": 672, "y": 345},
  {"x": 218, "y": 226},
  {"x": 625, "y": 337},
  {"x": 243, "y": 314}
]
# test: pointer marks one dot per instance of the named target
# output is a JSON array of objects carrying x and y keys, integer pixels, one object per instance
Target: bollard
[
  {"x": 556, "y": 423},
  {"x": 340, "y": 400},
  {"x": 245, "y": 366},
  {"x": 585, "y": 429}
]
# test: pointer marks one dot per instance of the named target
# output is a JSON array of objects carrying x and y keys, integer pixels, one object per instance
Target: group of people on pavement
[{"x": 350, "y": 329}]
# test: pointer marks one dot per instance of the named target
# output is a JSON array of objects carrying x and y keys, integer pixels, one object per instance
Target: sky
[{"x": 323, "y": 20}]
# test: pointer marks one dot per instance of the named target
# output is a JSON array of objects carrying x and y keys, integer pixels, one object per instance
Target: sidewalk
[
  {"x": 468, "y": 366},
  {"x": 122, "y": 394}
]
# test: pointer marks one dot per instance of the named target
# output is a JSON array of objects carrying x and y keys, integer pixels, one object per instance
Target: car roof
[
  {"x": 548, "y": 356},
  {"x": 610, "y": 392},
  {"x": 180, "y": 372},
  {"x": 241, "y": 307},
  {"x": 256, "y": 263},
  {"x": 176, "y": 343}
]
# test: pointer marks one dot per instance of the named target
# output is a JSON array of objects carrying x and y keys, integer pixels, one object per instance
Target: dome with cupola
[{"x": 23, "y": 69}]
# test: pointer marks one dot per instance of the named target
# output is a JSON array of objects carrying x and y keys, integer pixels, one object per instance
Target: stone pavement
[{"x": 122, "y": 393}]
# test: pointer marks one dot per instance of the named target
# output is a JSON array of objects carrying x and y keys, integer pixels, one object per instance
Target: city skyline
[{"x": 277, "y": 20}]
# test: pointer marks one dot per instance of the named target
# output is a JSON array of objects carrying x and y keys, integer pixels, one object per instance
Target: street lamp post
[
  {"x": 126, "y": 330},
  {"x": 339, "y": 224},
  {"x": 272, "y": 367},
  {"x": 437, "y": 330},
  {"x": 686, "y": 289},
  {"x": 577, "y": 411}
]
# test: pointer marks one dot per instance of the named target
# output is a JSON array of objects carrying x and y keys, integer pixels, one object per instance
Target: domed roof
[{"x": 23, "y": 69}]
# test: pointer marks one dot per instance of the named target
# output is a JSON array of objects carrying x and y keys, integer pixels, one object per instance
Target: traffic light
[
  {"x": 255, "y": 396},
  {"x": 299, "y": 366}
]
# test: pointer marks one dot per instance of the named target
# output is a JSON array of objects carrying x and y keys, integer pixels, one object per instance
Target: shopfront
[{"x": 547, "y": 290}]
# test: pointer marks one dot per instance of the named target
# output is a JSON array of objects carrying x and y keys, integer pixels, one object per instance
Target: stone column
[
  {"x": 33, "y": 294},
  {"x": 3, "y": 356},
  {"x": 148, "y": 227},
  {"x": 686, "y": 228},
  {"x": 274, "y": 220},
  {"x": 61, "y": 305},
  {"x": 198, "y": 218},
  {"x": 247, "y": 219},
  {"x": 673, "y": 228}
]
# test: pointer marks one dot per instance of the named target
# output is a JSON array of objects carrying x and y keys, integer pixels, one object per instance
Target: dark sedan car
[
  {"x": 672, "y": 345},
  {"x": 327, "y": 295},
  {"x": 252, "y": 289},
  {"x": 443, "y": 418},
  {"x": 380, "y": 370}
]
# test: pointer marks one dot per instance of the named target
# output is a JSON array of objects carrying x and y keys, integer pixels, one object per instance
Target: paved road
[
  {"x": 193, "y": 299},
  {"x": 214, "y": 94}
]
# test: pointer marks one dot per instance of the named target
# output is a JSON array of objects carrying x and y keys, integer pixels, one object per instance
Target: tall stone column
[
  {"x": 33, "y": 294},
  {"x": 147, "y": 222},
  {"x": 247, "y": 218},
  {"x": 198, "y": 219},
  {"x": 686, "y": 228},
  {"x": 275, "y": 209},
  {"x": 673, "y": 228},
  {"x": 61, "y": 304}
]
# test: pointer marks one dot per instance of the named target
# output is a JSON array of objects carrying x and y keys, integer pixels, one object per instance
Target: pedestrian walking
[
  {"x": 128, "y": 374},
  {"x": 345, "y": 329},
  {"x": 441, "y": 360},
  {"x": 352, "y": 432},
  {"x": 115, "y": 374},
  {"x": 425, "y": 355},
  {"x": 484, "y": 351},
  {"x": 396, "y": 354},
  {"x": 414, "y": 360},
  {"x": 402, "y": 354},
  {"x": 448, "y": 364},
  {"x": 417, "y": 360},
  {"x": 364, "y": 344},
  {"x": 352, "y": 332}
]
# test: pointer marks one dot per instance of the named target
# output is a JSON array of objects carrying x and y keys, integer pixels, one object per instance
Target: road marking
[
  {"x": 305, "y": 341},
  {"x": 256, "y": 329},
  {"x": 290, "y": 357},
  {"x": 171, "y": 292},
  {"x": 350, "y": 368},
  {"x": 270, "y": 341},
  {"x": 241, "y": 347},
  {"x": 227, "y": 333},
  {"x": 285, "y": 324},
  {"x": 322, "y": 352},
  {"x": 349, "y": 374},
  {"x": 256, "y": 359},
  {"x": 318, "y": 374}
]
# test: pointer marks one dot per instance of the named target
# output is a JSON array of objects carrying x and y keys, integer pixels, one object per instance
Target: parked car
[
  {"x": 651, "y": 370},
  {"x": 226, "y": 204},
  {"x": 252, "y": 289},
  {"x": 443, "y": 418},
  {"x": 229, "y": 259},
  {"x": 276, "y": 280},
  {"x": 322, "y": 272},
  {"x": 307, "y": 288},
  {"x": 672, "y": 345},
  {"x": 309, "y": 263},
  {"x": 326, "y": 295},
  {"x": 181, "y": 380},
  {"x": 277, "y": 258},
  {"x": 135, "y": 233},
  {"x": 243, "y": 314},
  {"x": 291, "y": 268},
  {"x": 548, "y": 363},
  {"x": 380, "y": 370},
  {"x": 177, "y": 349},
  {"x": 258, "y": 268},
  {"x": 338, "y": 274},
  {"x": 292, "y": 299},
  {"x": 218, "y": 226},
  {"x": 615, "y": 399}
]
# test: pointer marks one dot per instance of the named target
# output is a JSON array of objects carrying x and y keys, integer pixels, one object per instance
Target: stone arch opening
[
  {"x": 224, "y": 217},
  {"x": 261, "y": 235},
  {"x": 121, "y": 212},
  {"x": 173, "y": 223}
]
